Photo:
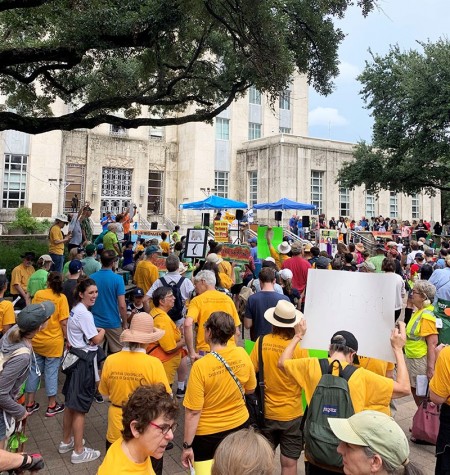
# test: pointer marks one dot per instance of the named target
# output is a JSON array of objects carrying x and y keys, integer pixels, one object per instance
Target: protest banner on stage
[
  {"x": 235, "y": 253},
  {"x": 221, "y": 231},
  {"x": 160, "y": 263},
  {"x": 328, "y": 240},
  {"x": 360, "y": 303},
  {"x": 382, "y": 235},
  {"x": 275, "y": 236}
]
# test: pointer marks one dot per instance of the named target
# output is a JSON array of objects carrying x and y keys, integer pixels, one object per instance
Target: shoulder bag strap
[
  {"x": 163, "y": 281},
  {"x": 261, "y": 382},
  {"x": 227, "y": 366},
  {"x": 180, "y": 282}
]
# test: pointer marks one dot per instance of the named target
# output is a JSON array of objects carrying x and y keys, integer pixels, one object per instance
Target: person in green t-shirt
[{"x": 38, "y": 280}]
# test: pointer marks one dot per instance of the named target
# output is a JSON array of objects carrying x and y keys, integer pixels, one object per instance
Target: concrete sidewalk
[{"x": 45, "y": 434}]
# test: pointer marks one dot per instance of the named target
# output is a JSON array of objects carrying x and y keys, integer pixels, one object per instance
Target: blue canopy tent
[
  {"x": 283, "y": 204},
  {"x": 215, "y": 202}
]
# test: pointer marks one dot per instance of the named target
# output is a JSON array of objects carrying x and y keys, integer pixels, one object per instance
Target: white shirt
[{"x": 81, "y": 328}]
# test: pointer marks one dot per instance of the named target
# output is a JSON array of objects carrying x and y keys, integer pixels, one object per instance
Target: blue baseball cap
[{"x": 75, "y": 266}]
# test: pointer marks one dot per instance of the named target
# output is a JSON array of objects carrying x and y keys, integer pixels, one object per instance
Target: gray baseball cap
[{"x": 34, "y": 315}]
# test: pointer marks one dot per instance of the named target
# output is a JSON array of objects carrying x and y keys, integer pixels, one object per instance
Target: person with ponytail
[
  {"x": 17, "y": 354},
  {"x": 48, "y": 347},
  {"x": 421, "y": 335},
  {"x": 81, "y": 377}
]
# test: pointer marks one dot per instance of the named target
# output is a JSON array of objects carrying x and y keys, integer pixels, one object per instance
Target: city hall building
[{"x": 253, "y": 152}]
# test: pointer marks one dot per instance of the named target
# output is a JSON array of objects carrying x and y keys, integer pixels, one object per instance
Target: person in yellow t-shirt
[
  {"x": 146, "y": 271},
  {"x": 421, "y": 335},
  {"x": 214, "y": 402},
  {"x": 131, "y": 367},
  {"x": 207, "y": 301},
  {"x": 367, "y": 390},
  {"x": 283, "y": 408},
  {"x": 164, "y": 245},
  {"x": 19, "y": 279},
  {"x": 169, "y": 348},
  {"x": 48, "y": 346},
  {"x": 440, "y": 394},
  {"x": 7, "y": 315},
  {"x": 56, "y": 242},
  {"x": 149, "y": 422}
]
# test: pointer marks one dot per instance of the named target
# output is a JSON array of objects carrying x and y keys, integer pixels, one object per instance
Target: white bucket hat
[
  {"x": 284, "y": 248},
  {"x": 283, "y": 315}
]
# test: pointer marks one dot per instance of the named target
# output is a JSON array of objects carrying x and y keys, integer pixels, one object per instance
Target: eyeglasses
[
  {"x": 165, "y": 428},
  {"x": 417, "y": 292}
]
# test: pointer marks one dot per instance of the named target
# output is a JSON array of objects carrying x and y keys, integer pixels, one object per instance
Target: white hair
[{"x": 208, "y": 276}]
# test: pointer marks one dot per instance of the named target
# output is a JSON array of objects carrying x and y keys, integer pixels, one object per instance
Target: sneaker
[
  {"x": 98, "y": 398},
  {"x": 64, "y": 448},
  {"x": 181, "y": 392},
  {"x": 88, "y": 455},
  {"x": 56, "y": 409},
  {"x": 33, "y": 407}
]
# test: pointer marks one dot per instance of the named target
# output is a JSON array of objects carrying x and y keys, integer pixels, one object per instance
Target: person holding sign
[{"x": 368, "y": 391}]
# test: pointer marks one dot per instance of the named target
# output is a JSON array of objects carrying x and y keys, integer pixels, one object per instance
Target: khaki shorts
[
  {"x": 415, "y": 367},
  {"x": 112, "y": 336},
  {"x": 286, "y": 434}
]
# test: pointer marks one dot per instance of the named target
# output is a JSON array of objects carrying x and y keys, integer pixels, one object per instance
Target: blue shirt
[
  {"x": 440, "y": 278},
  {"x": 256, "y": 306},
  {"x": 254, "y": 254},
  {"x": 106, "y": 310},
  {"x": 105, "y": 221}
]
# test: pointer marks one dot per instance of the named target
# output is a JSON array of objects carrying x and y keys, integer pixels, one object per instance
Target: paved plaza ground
[{"x": 45, "y": 434}]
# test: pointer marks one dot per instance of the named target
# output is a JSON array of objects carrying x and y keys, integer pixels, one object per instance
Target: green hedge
[{"x": 10, "y": 252}]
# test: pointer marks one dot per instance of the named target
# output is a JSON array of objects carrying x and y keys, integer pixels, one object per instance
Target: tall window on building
[
  {"x": 254, "y": 131},
  {"x": 156, "y": 133},
  {"x": 254, "y": 96},
  {"x": 116, "y": 189},
  {"x": 415, "y": 204},
  {"x": 221, "y": 184},
  {"x": 393, "y": 204},
  {"x": 344, "y": 202},
  {"x": 14, "y": 180},
  {"x": 370, "y": 205},
  {"x": 222, "y": 128},
  {"x": 317, "y": 191},
  {"x": 253, "y": 188},
  {"x": 155, "y": 200},
  {"x": 285, "y": 100},
  {"x": 75, "y": 177}
]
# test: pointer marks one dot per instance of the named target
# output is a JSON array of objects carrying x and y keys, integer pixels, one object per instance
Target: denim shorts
[{"x": 49, "y": 367}]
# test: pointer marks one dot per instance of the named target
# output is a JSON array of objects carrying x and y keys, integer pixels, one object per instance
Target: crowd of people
[{"x": 167, "y": 338}]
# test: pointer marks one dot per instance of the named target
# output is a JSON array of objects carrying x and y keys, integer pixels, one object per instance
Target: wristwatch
[{"x": 186, "y": 445}]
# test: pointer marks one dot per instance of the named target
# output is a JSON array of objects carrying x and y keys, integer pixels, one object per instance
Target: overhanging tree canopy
[
  {"x": 409, "y": 96},
  {"x": 101, "y": 56}
]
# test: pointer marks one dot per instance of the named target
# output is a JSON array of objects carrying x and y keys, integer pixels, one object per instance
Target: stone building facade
[{"x": 255, "y": 151}]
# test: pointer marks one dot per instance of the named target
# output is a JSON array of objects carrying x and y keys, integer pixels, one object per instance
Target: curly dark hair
[
  {"x": 146, "y": 404},
  {"x": 55, "y": 282}
]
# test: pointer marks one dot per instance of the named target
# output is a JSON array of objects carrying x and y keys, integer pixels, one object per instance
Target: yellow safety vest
[{"x": 416, "y": 346}]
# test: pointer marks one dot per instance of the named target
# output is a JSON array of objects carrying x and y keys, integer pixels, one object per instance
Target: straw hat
[
  {"x": 284, "y": 248},
  {"x": 360, "y": 247},
  {"x": 142, "y": 330},
  {"x": 283, "y": 315}
]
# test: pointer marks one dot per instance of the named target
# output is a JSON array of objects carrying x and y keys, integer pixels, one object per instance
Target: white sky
[{"x": 341, "y": 115}]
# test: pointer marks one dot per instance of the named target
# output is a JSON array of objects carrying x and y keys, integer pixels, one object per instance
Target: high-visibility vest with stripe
[{"x": 416, "y": 346}]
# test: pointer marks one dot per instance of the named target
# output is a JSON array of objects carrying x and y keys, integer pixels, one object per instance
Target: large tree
[
  {"x": 409, "y": 96},
  {"x": 180, "y": 60}
]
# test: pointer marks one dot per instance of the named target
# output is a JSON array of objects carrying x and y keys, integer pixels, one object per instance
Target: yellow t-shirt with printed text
[
  {"x": 116, "y": 461},
  {"x": 368, "y": 391},
  {"x": 282, "y": 399},
  {"x": 201, "y": 307},
  {"x": 122, "y": 373},
  {"x": 440, "y": 382},
  {"x": 50, "y": 341},
  {"x": 375, "y": 365},
  {"x": 212, "y": 390}
]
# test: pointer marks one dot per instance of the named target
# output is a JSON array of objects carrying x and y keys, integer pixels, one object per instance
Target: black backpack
[
  {"x": 177, "y": 311},
  {"x": 331, "y": 398}
]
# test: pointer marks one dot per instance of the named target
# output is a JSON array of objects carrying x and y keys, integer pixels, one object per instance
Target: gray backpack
[{"x": 331, "y": 398}]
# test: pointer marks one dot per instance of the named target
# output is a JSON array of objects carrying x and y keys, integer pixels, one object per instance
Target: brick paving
[{"x": 45, "y": 434}]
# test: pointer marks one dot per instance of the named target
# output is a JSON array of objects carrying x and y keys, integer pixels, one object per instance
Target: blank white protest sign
[{"x": 358, "y": 302}]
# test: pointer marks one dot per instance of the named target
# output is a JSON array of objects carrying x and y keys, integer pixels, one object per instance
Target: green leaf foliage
[
  {"x": 159, "y": 62},
  {"x": 408, "y": 94}
]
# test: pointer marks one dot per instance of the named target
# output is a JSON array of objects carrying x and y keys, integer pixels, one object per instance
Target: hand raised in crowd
[
  {"x": 398, "y": 336},
  {"x": 300, "y": 329}
]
